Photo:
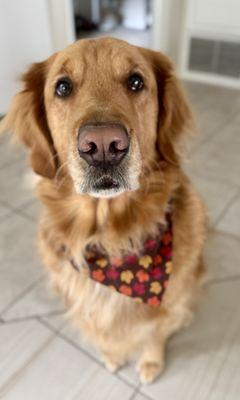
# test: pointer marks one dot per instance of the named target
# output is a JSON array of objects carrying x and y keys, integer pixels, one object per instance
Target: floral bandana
[{"x": 142, "y": 276}]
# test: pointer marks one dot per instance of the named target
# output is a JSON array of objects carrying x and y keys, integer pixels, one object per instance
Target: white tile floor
[{"x": 43, "y": 357}]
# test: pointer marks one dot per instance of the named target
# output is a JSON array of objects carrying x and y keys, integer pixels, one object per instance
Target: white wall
[
  {"x": 220, "y": 17},
  {"x": 30, "y": 31},
  {"x": 24, "y": 37}
]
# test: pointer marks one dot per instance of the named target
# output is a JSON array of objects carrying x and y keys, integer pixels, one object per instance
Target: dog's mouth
[
  {"x": 106, "y": 187},
  {"x": 105, "y": 182}
]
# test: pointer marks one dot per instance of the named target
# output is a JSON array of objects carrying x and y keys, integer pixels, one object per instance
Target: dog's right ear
[{"x": 26, "y": 118}]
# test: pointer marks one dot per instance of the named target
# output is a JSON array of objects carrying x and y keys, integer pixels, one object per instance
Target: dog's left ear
[
  {"x": 174, "y": 117},
  {"x": 27, "y": 119}
]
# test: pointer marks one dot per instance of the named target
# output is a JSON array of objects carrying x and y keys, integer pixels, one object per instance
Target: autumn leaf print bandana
[{"x": 143, "y": 276}]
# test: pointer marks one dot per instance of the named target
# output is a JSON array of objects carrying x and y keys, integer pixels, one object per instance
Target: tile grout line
[
  {"x": 32, "y": 317},
  {"x": 15, "y": 375},
  {"x": 134, "y": 394},
  {"x": 49, "y": 326},
  {"x": 231, "y": 235},
  {"x": 220, "y": 369},
  {"x": 222, "y": 280},
  {"x": 226, "y": 208},
  {"x": 26, "y": 216},
  {"x": 215, "y": 132},
  {"x": 19, "y": 210},
  {"x": 3, "y": 203},
  {"x": 138, "y": 391},
  {"x": 21, "y": 295},
  {"x": 195, "y": 174},
  {"x": 82, "y": 350},
  {"x": 16, "y": 210},
  {"x": 146, "y": 396}
]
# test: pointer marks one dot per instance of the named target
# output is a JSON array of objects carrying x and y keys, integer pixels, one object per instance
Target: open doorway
[{"x": 130, "y": 20}]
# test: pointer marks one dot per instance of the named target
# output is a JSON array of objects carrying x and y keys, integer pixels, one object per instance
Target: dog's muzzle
[{"x": 103, "y": 146}]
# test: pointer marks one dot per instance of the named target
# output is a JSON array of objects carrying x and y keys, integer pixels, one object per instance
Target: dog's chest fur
[{"x": 105, "y": 316}]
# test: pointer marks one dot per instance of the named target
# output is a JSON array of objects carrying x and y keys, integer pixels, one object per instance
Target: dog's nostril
[
  {"x": 115, "y": 147},
  {"x": 92, "y": 148},
  {"x": 88, "y": 147}
]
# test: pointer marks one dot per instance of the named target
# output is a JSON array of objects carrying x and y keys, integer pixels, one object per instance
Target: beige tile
[
  {"x": 63, "y": 325},
  {"x": 62, "y": 372},
  {"x": 219, "y": 158},
  {"x": 216, "y": 194},
  {"x": 228, "y": 387},
  {"x": 38, "y": 301},
  {"x": 208, "y": 97},
  {"x": 31, "y": 209},
  {"x": 9, "y": 153},
  {"x": 75, "y": 336},
  {"x": 199, "y": 95},
  {"x": 128, "y": 372},
  {"x": 19, "y": 261},
  {"x": 222, "y": 256},
  {"x": 14, "y": 186},
  {"x": 4, "y": 211},
  {"x": 55, "y": 322},
  {"x": 140, "y": 397},
  {"x": 221, "y": 98},
  {"x": 213, "y": 108},
  {"x": 66, "y": 329},
  {"x": 210, "y": 122},
  {"x": 204, "y": 361},
  {"x": 230, "y": 221},
  {"x": 19, "y": 344}
]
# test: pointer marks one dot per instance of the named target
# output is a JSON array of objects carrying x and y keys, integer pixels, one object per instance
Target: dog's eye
[
  {"x": 63, "y": 87},
  {"x": 135, "y": 83}
]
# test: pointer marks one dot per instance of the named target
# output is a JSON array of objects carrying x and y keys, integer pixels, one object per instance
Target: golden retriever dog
[{"x": 104, "y": 122}]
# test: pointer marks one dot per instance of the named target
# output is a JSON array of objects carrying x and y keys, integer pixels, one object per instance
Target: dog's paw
[
  {"x": 149, "y": 371},
  {"x": 110, "y": 364}
]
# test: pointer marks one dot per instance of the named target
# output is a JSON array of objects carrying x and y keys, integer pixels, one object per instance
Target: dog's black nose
[{"x": 100, "y": 144}]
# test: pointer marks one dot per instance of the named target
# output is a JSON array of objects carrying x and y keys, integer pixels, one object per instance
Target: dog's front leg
[
  {"x": 151, "y": 362},
  {"x": 152, "y": 359}
]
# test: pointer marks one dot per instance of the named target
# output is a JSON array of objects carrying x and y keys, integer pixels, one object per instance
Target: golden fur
[{"x": 158, "y": 119}]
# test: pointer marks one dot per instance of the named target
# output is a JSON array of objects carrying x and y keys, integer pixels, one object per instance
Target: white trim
[
  {"x": 168, "y": 27},
  {"x": 211, "y": 79},
  {"x": 62, "y": 23},
  {"x": 159, "y": 40},
  {"x": 213, "y": 35}
]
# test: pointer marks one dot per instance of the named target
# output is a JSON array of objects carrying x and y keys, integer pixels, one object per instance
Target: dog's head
[{"x": 103, "y": 111}]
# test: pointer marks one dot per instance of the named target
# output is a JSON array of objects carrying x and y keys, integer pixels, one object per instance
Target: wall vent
[{"x": 214, "y": 56}]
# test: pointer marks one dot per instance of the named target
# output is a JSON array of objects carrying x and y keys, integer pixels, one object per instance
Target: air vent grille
[{"x": 216, "y": 57}]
